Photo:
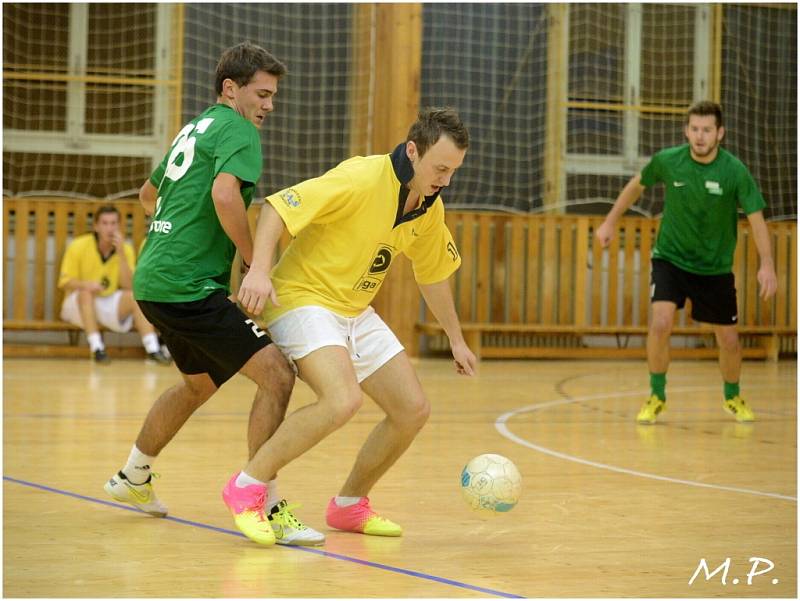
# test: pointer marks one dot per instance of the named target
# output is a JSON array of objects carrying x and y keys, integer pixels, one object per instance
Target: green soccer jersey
[
  {"x": 698, "y": 227},
  {"x": 187, "y": 255}
]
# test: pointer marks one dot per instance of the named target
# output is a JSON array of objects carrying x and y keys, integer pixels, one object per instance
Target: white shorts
[
  {"x": 106, "y": 309},
  {"x": 368, "y": 339}
]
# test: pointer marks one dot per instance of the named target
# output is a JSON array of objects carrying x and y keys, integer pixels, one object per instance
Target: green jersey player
[
  {"x": 198, "y": 198},
  {"x": 705, "y": 185}
]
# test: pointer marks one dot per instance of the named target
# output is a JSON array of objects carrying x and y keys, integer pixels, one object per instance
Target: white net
[
  {"x": 490, "y": 62},
  {"x": 759, "y": 97},
  {"x": 631, "y": 72},
  {"x": 309, "y": 131},
  {"x": 86, "y": 100},
  {"x": 91, "y": 92}
]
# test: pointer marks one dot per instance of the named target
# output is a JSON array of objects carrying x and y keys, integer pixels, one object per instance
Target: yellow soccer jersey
[
  {"x": 348, "y": 227},
  {"x": 82, "y": 261}
]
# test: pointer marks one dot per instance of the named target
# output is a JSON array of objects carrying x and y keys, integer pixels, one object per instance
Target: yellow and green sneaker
[
  {"x": 650, "y": 410},
  {"x": 739, "y": 409},
  {"x": 142, "y": 496},
  {"x": 289, "y": 530}
]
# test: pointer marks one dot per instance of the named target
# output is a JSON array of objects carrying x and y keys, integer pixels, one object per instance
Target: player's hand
[
  {"x": 604, "y": 233},
  {"x": 465, "y": 361},
  {"x": 93, "y": 287},
  {"x": 118, "y": 241},
  {"x": 254, "y": 292},
  {"x": 767, "y": 281}
]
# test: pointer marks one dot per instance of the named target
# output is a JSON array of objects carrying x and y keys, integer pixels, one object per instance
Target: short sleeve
[
  {"x": 433, "y": 254},
  {"x": 652, "y": 172},
  {"x": 747, "y": 193},
  {"x": 158, "y": 173},
  {"x": 238, "y": 152},
  {"x": 322, "y": 199},
  {"x": 70, "y": 265}
]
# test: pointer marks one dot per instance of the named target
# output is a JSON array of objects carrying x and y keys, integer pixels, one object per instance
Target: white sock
[
  {"x": 137, "y": 470},
  {"x": 244, "y": 480},
  {"x": 346, "y": 501},
  {"x": 95, "y": 341},
  {"x": 150, "y": 343},
  {"x": 273, "y": 498}
]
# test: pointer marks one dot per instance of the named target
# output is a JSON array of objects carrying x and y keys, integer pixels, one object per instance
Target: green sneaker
[
  {"x": 289, "y": 530},
  {"x": 739, "y": 409},
  {"x": 650, "y": 410}
]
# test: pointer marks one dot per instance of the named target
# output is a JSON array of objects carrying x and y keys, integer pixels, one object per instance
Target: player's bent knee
[
  {"x": 278, "y": 368},
  {"x": 268, "y": 368},
  {"x": 415, "y": 414},
  {"x": 344, "y": 405},
  {"x": 199, "y": 391}
]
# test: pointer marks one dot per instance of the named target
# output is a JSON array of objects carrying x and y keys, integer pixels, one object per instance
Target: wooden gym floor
[{"x": 609, "y": 508}]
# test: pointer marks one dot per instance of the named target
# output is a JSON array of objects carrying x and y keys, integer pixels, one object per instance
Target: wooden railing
[
  {"x": 540, "y": 286},
  {"x": 529, "y": 286}
]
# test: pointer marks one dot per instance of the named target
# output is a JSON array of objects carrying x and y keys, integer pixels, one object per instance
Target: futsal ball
[{"x": 491, "y": 484}]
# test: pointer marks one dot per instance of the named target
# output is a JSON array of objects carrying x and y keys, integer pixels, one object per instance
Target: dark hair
[
  {"x": 241, "y": 62},
  {"x": 102, "y": 210},
  {"x": 432, "y": 124},
  {"x": 706, "y": 107}
]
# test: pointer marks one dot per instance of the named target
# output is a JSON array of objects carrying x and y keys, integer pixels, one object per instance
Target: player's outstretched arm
[
  {"x": 256, "y": 286},
  {"x": 629, "y": 195},
  {"x": 439, "y": 298},
  {"x": 767, "y": 279}
]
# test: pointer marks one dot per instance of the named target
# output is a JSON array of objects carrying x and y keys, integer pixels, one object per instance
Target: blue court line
[{"x": 363, "y": 562}]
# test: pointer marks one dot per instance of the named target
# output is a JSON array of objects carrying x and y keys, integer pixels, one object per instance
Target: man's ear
[
  {"x": 411, "y": 150},
  {"x": 228, "y": 88}
]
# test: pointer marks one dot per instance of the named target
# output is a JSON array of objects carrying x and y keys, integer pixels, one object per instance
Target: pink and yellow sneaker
[
  {"x": 360, "y": 518},
  {"x": 247, "y": 506}
]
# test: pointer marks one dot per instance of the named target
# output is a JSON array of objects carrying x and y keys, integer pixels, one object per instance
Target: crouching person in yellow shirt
[{"x": 96, "y": 275}]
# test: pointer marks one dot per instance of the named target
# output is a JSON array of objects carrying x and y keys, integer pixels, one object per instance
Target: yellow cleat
[
  {"x": 739, "y": 409},
  {"x": 380, "y": 526},
  {"x": 650, "y": 410},
  {"x": 247, "y": 507}
]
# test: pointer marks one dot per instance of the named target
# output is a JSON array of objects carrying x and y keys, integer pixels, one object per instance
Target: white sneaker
[
  {"x": 291, "y": 531},
  {"x": 141, "y": 496}
]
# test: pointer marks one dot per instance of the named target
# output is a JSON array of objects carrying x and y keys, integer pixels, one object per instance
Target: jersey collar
[
  {"x": 404, "y": 172},
  {"x": 103, "y": 258}
]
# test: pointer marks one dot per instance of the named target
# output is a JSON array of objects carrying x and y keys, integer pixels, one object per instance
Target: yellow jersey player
[
  {"x": 349, "y": 225},
  {"x": 97, "y": 276}
]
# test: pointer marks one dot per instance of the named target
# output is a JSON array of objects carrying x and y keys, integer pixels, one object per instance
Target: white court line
[{"x": 500, "y": 424}]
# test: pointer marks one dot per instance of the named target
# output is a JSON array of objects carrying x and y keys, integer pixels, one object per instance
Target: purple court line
[{"x": 363, "y": 562}]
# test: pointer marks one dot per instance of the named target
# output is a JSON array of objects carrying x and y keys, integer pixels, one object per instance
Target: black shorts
[
  {"x": 713, "y": 296},
  {"x": 210, "y": 336}
]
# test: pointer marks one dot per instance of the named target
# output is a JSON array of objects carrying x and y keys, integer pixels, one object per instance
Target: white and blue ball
[{"x": 491, "y": 484}]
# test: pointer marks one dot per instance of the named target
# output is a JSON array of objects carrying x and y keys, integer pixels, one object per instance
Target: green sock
[
  {"x": 658, "y": 383},
  {"x": 731, "y": 389}
]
